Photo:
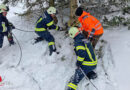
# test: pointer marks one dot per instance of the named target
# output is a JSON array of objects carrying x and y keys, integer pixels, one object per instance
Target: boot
[
  {"x": 52, "y": 49},
  {"x": 38, "y": 39},
  {"x": 92, "y": 75}
]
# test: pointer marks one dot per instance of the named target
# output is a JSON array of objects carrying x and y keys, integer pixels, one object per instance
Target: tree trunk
[
  {"x": 73, "y": 19},
  {"x": 51, "y": 3},
  {"x": 5, "y": 1}
]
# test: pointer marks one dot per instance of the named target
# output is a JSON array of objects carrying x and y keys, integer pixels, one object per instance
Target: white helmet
[
  {"x": 51, "y": 10},
  {"x": 3, "y": 8},
  {"x": 73, "y": 31}
]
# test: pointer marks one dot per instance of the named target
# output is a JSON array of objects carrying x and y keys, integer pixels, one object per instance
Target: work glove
[
  {"x": 60, "y": 29},
  {"x": 11, "y": 25}
]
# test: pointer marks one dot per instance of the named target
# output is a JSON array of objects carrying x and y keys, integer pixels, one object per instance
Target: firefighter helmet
[
  {"x": 73, "y": 31},
  {"x": 51, "y": 10}
]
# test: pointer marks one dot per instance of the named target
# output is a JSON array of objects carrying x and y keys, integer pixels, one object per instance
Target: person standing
[
  {"x": 5, "y": 26},
  {"x": 86, "y": 58}
]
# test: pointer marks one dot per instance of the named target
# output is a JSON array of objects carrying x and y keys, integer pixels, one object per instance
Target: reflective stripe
[
  {"x": 85, "y": 17},
  {"x": 89, "y": 63},
  {"x": 56, "y": 28},
  {"x": 89, "y": 52},
  {"x": 73, "y": 86},
  {"x": 99, "y": 28},
  {"x": 4, "y": 28},
  {"x": 97, "y": 24},
  {"x": 40, "y": 29},
  {"x": 50, "y": 23},
  {"x": 80, "y": 47},
  {"x": 39, "y": 20},
  {"x": 80, "y": 58},
  {"x": 51, "y": 43},
  {"x": 92, "y": 62}
]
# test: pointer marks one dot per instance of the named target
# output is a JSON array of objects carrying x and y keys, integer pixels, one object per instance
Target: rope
[
  {"x": 19, "y": 64},
  {"x": 23, "y": 30},
  {"x": 21, "y": 54},
  {"x": 87, "y": 78}
]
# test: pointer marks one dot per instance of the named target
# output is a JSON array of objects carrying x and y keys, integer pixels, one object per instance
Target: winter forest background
[
  {"x": 105, "y": 10},
  {"x": 25, "y": 66}
]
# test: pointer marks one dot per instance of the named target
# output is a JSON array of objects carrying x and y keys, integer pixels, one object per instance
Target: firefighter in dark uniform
[
  {"x": 44, "y": 23},
  {"x": 5, "y": 26},
  {"x": 86, "y": 58}
]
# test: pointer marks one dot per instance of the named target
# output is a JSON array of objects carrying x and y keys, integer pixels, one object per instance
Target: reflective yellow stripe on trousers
[
  {"x": 73, "y": 86},
  {"x": 51, "y": 43}
]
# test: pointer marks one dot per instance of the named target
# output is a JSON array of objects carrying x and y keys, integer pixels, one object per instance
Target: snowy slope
[
  {"x": 120, "y": 45},
  {"x": 38, "y": 71}
]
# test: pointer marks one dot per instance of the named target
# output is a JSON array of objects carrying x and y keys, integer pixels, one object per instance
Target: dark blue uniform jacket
[
  {"x": 79, "y": 41},
  {"x": 44, "y": 22},
  {"x": 3, "y": 20}
]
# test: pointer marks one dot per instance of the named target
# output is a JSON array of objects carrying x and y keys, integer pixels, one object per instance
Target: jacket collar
[
  {"x": 79, "y": 37},
  {"x": 83, "y": 14}
]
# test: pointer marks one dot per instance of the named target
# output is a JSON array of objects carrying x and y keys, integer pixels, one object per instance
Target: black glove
[
  {"x": 60, "y": 29},
  {"x": 78, "y": 63},
  {"x": 11, "y": 26},
  {"x": 49, "y": 28}
]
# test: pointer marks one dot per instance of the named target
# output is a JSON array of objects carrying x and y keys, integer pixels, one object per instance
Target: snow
[
  {"x": 120, "y": 45},
  {"x": 39, "y": 71}
]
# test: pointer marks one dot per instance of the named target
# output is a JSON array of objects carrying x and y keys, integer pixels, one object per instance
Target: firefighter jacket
[
  {"x": 44, "y": 22},
  {"x": 84, "y": 51},
  {"x": 4, "y": 24}
]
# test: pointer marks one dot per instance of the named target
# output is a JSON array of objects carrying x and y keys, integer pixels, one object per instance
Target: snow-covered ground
[
  {"x": 119, "y": 40},
  {"x": 38, "y": 71}
]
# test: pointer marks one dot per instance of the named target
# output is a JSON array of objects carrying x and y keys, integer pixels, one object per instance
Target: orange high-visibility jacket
[{"x": 89, "y": 22}]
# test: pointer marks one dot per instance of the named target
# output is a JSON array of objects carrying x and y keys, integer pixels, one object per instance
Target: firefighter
[
  {"x": 5, "y": 26},
  {"x": 86, "y": 58},
  {"x": 88, "y": 24},
  {"x": 44, "y": 23}
]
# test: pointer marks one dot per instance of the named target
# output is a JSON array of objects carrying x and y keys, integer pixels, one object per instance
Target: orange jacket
[{"x": 89, "y": 22}]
